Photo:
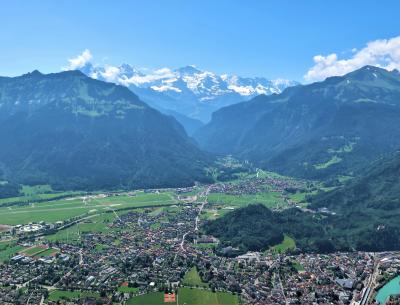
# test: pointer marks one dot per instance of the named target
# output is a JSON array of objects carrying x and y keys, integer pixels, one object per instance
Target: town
[{"x": 120, "y": 256}]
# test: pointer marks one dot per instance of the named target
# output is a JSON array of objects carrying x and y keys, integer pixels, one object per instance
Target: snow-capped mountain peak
[{"x": 196, "y": 93}]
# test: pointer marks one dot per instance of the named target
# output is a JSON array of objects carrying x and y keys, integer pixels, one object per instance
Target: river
[{"x": 393, "y": 287}]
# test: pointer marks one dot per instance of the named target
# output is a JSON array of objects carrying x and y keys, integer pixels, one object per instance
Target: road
[
  {"x": 205, "y": 193},
  {"x": 283, "y": 290},
  {"x": 197, "y": 220},
  {"x": 183, "y": 240}
]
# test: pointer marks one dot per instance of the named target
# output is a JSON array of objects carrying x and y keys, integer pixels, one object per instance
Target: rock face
[
  {"x": 72, "y": 131},
  {"x": 313, "y": 131}
]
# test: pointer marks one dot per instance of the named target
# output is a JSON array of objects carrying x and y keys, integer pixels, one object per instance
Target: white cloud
[
  {"x": 163, "y": 88},
  {"x": 156, "y": 75},
  {"x": 80, "y": 61},
  {"x": 384, "y": 53},
  {"x": 111, "y": 73}
]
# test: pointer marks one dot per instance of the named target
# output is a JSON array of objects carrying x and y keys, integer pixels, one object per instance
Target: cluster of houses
[
  {"x": 258, "y": 185},
  {"x": 152, "y": 250}
]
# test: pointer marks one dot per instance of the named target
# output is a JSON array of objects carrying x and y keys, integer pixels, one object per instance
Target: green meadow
[
  {"x": 269, "y": 199},
  {"x": 335, "y": 159},
  {"x": 205, "y": 297},
  {"x": 59, "y": 210},
  {"x": 193, "y": 279},
  {"x": 287, "y": 244},
  {"x": 58, "y": 295},
  {"x": 8, "y": 250},
  {"x": 96, "y": 224},
  {"x": 125, "y": 289}
]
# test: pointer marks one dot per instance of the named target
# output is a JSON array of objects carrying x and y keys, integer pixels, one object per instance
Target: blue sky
[{"x": 249, "y": 38}]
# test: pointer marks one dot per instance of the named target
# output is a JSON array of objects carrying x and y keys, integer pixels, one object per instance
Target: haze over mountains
[
  {"x": 74, "y": 132},
  {"x": 187, "y": 91},
  {"x": 315, "y": 131}
]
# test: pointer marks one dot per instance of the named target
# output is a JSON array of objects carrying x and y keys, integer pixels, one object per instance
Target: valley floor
[{"x": 147, "y": 247}]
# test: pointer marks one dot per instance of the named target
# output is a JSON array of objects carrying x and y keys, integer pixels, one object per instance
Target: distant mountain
[
  {"x": 74, "y": 132},
  {"x": 188, "y": 90},
  {"x": 314, "y": 131}
]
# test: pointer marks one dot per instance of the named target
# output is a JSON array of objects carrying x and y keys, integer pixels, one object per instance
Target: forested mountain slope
[
  {"x": 71, "y": 131},
  {"x": 314, "y": 131}
]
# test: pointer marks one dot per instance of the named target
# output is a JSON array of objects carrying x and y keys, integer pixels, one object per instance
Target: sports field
[
  {"x": 33, "y": 251},
  {"x": 48, "y": 252},
  {"x": 153, "y": 298},
  {"x": 59, "y": 210}
]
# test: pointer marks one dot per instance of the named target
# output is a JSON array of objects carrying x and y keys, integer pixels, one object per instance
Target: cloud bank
[{"x": 384, "y": 53}]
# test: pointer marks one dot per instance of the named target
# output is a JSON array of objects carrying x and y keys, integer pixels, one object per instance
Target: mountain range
[
  {"x": 74, "y": 132},
  {"x": 188, "y": 91},
  {"x": 314, "y": 131}
]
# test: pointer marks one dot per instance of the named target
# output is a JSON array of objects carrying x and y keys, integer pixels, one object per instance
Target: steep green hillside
[
  {"x": 73, "y": 132},
  {"x": 369, "y": 206}
]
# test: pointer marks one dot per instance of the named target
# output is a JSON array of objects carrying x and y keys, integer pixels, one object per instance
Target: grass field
[
  {"x": 205, "y": 246},
  {"x": 269, "y": 199},
  {"x": 36, "y": 190},
  {"x": 298, "y": 197},
  {"x": 287, "y": 244},
  {"x": 187, "y": 296},
  {"x": 205, "y": 297},
  {"x": 47, "y": 252},
  {"x": 126, "y": 289},
  {"x": 58, "y": 295},
  {"x": 37, "y": 197},
  {"x": 8, "y": 250},
  {"x": 33, "y": 251},
  {"x": 335, "y": 159},
  {"x": 96, "y": 224},
  {"x": 36, "y": 193},
  {"x": 59, "y": 210},
  {"x": 298, "y": 266},
  {"x": 192, "y": 278}
]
